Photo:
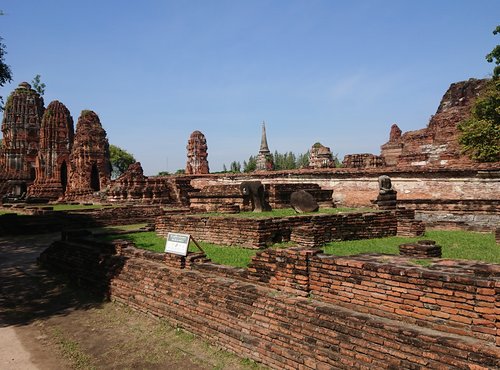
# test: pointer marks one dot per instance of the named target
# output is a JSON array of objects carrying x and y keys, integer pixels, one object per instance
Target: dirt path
[{"x": 46, "y": 324}]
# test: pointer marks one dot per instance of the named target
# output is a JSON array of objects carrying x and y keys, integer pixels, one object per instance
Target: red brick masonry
[
  {"x": 310, "y": 230},
  {"x": 299, "y": 309}
]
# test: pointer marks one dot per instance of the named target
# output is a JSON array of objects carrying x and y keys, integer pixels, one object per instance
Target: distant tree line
[{"x": 282, "y": 161}]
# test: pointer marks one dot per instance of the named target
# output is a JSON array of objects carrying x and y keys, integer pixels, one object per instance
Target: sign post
[{"x": 179, "y": 243}]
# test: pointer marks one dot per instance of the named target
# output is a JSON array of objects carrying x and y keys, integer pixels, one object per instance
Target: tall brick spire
[
  {"x": 264, "y": 148},
  {"x": 264, "y": 158}
]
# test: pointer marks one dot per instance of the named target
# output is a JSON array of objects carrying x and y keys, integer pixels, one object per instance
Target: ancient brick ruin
[
  {"x": 365, "y": 160},
  {"x": 133, "y": 186},
  {"x": 56, "y": 141},
  {"x": 321, "y": 156},
  {"x": 20, "y": 127},
  {"x": 227, "y": 198},
  {"x": 311, "y": 230},
  {"x": 90, "y": 169},
  {"x": 297, "y": 308},
  {"x": 294, "y": 307},
  {"x": 42, "y": 158},
  {"x": 437, "y": 144},
  {"x": 264, "y": 158},
  {"x": 197, "y": 162}
]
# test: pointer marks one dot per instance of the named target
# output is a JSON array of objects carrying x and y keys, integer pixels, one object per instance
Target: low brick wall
[
  {"x": 51, "y": 221},
  {"x": 468, "y": 214},
  {"x": 255, "y": 314},
  {"x": 459, "y": 298},
  {"x": 261, "y": 232}
]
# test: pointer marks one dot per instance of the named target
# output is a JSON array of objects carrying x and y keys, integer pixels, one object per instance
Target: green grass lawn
[
  {"x": 231, "y": 256},
  {"x": 284, "y": 212},
  {"x": 455, "y": 244}
]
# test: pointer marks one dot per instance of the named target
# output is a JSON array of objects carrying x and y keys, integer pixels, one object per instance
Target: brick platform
[
  {"x": 261, "y": 232},
  {"x": 360, "y": 312}
]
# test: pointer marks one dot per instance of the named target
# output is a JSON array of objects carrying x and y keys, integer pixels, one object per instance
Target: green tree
[
  {"x": 251, "y": 165},
  {"x": 494, "y": 55},
  {"x": 235, "y": 167},
  {"x": 480, "y": 134},
  {"x": 5, "y": 71},
  {"x": 281, "y": 161},
  {"x": 38, "y": 85},
  {"x": 180, "y": 171},
  {"x": 303, "y": 160},
  {"x": 163, "y": 173},
  {"x": 120, "y": 160}
]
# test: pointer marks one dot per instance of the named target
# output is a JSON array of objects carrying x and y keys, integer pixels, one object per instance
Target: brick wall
[
  {"x": 50, "y": 221},
  {"x": 260, "y": 232},
  {"x": 471, "y": 214},
  {"x": 453, "y": 298},
  {"x": 256, "y": 314},
  {"x": 358, "y": 187}
]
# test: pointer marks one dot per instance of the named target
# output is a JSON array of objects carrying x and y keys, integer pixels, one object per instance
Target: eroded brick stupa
[
  {"x": 56, "y": 140},
  {"x": 321, "y": 156},
  {"x": 197, "y": 162},
  {"x": 264, "y": 158},
  {"x": 20, "y": 128},
  {"x": 90, "y": 170},
  {"x": 437, "y": 144}
]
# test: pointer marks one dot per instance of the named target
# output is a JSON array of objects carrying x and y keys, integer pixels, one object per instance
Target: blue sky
[{"x": 337, "y": 72}]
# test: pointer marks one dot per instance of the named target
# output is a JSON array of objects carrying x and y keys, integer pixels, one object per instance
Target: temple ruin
[
  {"x": 197, "y": 162},
  {"x": 364, "y": 160},
  {"x": 42, "y": 158},
  {"x": 90, "y": 166},
  {"x": 56, "y": 141},
  {"x": 264, "y": 158},
  {"x": 21, "y": 132},
  {"x": 321, "y": 156},
  {"x": 298, "y": 307},
  {"x": 437, "y": 144}
]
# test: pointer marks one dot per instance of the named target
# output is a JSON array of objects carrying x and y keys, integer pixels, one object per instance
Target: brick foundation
[
  {"x": 464, "y": 187},
  {"x": 261, "y": 232},
  {"x": 360, "y": 312},
  {"x": 55, "y": 221}
]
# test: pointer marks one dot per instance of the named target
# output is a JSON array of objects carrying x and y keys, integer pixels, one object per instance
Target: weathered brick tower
[
  {"x": 52, "y": 163},
  {"x": 90, "y": 170},
  {"x": 264, "y": 158},
  {"x": 197, "y": 162},
  {"x": 20, "y": 129}
]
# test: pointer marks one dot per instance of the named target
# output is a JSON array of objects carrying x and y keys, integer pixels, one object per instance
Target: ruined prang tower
[
  {"x": 321, "y": 156},
  {"x": 264, "y": 158},
  {"x": 90, "y": 165},
  {"x": 52, "y": 163},
  {"x": 197, "y": 162},
  {"x": 20, "y": 128}
]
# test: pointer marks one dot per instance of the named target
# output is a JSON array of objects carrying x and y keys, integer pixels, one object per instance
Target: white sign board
[{"x": 177, "y": 243}]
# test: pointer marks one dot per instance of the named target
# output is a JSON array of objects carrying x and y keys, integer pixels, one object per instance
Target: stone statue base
[{"x": 387, "y": 199}]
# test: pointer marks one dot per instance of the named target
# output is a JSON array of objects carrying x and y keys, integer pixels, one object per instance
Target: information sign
[{"x": 177, "y": 243}]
